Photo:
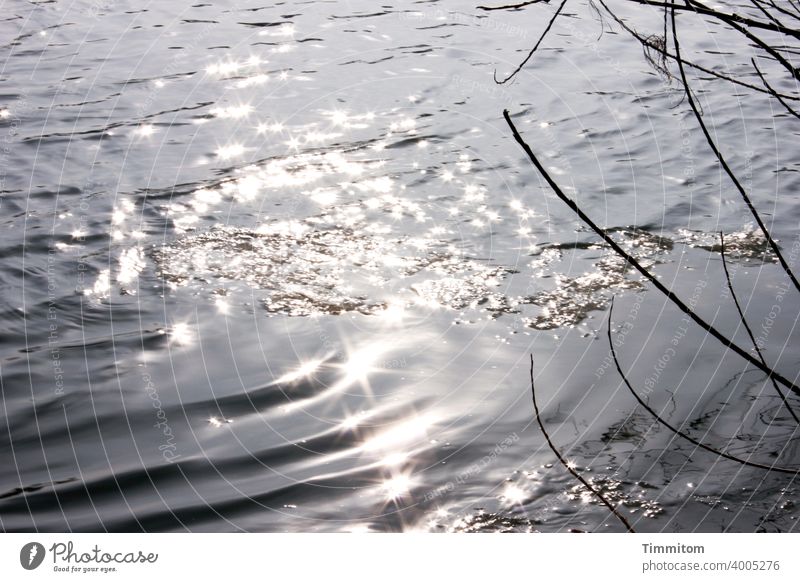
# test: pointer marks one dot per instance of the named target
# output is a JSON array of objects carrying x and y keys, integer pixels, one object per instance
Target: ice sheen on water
[
  {"x": 310, "y": 270},
  {"x": 316, "y": 266}
]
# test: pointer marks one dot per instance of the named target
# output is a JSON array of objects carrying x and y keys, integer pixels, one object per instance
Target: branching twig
[
  {"x": 728, "y": 18},
  {"x": 722, "y": 161},
  {"x": 533, "y": 50},
  {"x": 766, "y": 13},
  {"x": 779, "y": 9},
  {"x": 511, "y": 6},
  {"x": 569, "y": 468},
  {"x": 669, "y": 55},
  {"x": 747, "y": 327},
  {"x": 638, "y": 266},
  {"x": 677, "y": 431},
  {"x": 772, "y": 91},
  {"x": 767, "y": 48}
]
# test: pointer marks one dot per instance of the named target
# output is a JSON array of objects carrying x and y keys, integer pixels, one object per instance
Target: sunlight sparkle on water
[
  {"x": 118, "y": 217},
  {"x": 394, "y": 442},
  {"x": 248, "y": 188},
  {"x": 230, "y": 151},
  {"x": 102, "y": 286},
  {"x": 232, "y": 112},
  {"x": 397, "y": 487},
  {"x": 325, "y": 196},
  {"x": 223, "y": 68},
  {"x": 394, "y": 313},
  {"x": 474, "y": 193},
  {"x": 259, "y": 79},
  {"x": 131, "y": 263},
  {"x": 181, "y": 334},
  {"x": 349, "y": 423},
  {"x": 361, "y": 364},
  {"x": 304, "y": 370},
  {"x": 514, "y": 495},
  {"x": 294, "y": 142},
  {"x": 339, "y": 117},
  {"x": 406, "y": 124},
  {"x": 145, "y": 130}
]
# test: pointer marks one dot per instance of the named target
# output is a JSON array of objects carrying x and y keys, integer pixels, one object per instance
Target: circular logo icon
[{"x": 31, "y": 555}]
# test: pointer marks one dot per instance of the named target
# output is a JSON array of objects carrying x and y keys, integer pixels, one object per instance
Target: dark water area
[{"x": 280, "y": 267}]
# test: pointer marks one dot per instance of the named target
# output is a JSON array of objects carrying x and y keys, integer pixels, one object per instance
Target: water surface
[{"x": 281, "y": 267}]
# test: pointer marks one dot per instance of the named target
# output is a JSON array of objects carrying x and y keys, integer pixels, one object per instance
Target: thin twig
[
  {"x": 677, "y": 431},
  {"x": 779, "y": 9},
  {"x": 722, "y": 161},
  {"x": 638, "y": 266},
  {"x": 533, "y": 50},
  {"x": 736, "y": 21},
  {"x": 747, "y": 326},
  {"x": 766, "y": 13},
  {"x": 569, "y": 468},
  {"x": 773, "y": 92},
  {"x": 511, "y": 6},
  {"x": 729, "y": 18},
  {"x": 667, "y": 54},
  {"x": 768, "y": 48}
]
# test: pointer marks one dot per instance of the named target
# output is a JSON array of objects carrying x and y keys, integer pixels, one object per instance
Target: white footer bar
[{"x": 389, "y": 557}]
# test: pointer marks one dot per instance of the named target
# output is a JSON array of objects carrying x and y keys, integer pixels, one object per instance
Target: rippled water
[{"x": 280, "y": 268}]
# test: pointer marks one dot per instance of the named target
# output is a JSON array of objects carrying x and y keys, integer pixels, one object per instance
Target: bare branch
[
  {"x": 638, "y": 266},
  {"x": 779, "y": 9},
  {"x": 767, "y": 48},
  {"x": 669, "y": 55},
  {"x": 569, "y": 468},
  {"x": 533, "y": 50},
  {"x": 747, "y": 327},
  {"x": 773, "y": 92},
  {"x": 511, "y": 6},
  {"x": 766, "y": 13},
  {"x": 722, "y": 161},
  {"x": 728, "y": 18},
  {"x": 677, "y": 431}
]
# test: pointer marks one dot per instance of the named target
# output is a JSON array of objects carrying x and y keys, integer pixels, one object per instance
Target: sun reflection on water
[
  {"x": 181, "y": 334},
  {"x": 413, "y": 431},
  {"x": 397, "y": 487},
  {"x": 305, "y": 370},
  {"x": 145, "y": 130},
  {"x": 514, "y": 495},
  {"x": 232, "y": 111},
  {"x": 360, "y": 365}
]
